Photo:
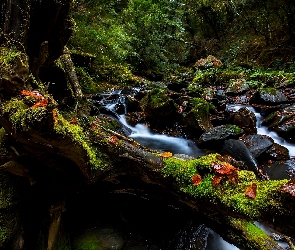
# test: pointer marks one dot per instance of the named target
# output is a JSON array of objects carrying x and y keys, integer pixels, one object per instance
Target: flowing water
[
  {"x": 177, "y": 145},
  {"x": 263, "y": 130}
]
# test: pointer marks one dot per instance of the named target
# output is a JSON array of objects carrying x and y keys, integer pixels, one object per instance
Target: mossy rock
[
  {"x": 198, "y": 117},
  {"x": 14, "y": 71},
  {"x": 157, "y": 103},
  {"x": 270, "y": 96}
]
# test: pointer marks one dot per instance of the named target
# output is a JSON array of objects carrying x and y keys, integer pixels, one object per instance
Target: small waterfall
[{"x": 263, "y": 130}]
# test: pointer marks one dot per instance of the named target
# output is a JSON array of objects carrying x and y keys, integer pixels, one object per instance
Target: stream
[{"x": 177, "y": 145}]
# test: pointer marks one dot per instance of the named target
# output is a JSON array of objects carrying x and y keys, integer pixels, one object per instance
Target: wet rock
[
  {"x": 280, "y": 171},
  {"x": 257, "y": 144},
  {"x": 277, "y": 152},
  {"x": 198, "y": 116},
  {"x": 156, "y": 103},
  {"x": 214, "y": 138},
  {"x": 246, "y": 119},
  {"x": 237, "y": 87},
  {"x": 282, "y": 121},
  {"x": 270, "y": 96},
  {"x": 132, "y": 104},
  {"x": 192, "y": 237},
  {"x": 240, "y": 152}
]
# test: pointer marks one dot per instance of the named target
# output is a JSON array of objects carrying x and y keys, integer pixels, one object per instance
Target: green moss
[
  {"x": 255, "y": 236},
  {"x": 75, "y": 132},
  {"x": 270, "y": 91},
  {"x": 227, "y": 195},
  {"x": 21, "y": 116},
  {"x": 8, "y": 56}
]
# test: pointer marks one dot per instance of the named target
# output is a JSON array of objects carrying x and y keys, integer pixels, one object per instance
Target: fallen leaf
[
  {"x": 289, "y": 187},
  {"x": 43, "y": 103},
  {"x": 73, "y": 121},
  {"x": 196, "y": 179},
  {"x": 34, "y": 94},
  {"x": 113, "y": 139},
  {"x": 251, "y": 191},
  {"x": 223, "y": 168},
  {"x": 166, "y": 154},
  {"x": 216, "y": 179}
]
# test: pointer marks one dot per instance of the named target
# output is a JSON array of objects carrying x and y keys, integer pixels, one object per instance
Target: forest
[{"x": 144, "y": 124}]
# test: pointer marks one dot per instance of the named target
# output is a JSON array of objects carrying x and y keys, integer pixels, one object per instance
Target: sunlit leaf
[
  {"x": 166, "y": 154},
  {"x": 223, "y": 168},
  {"x": 289, "y": 187},
  {"x": 196, "y": 179},
  {"x": 33, "y": 93},
  {"x": 216, "y": 179},
  {"x": 113, "y": 139},
  {"x": 251, "y": 191}
]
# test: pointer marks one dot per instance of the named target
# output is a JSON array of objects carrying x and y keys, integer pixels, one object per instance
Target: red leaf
[
  {"x": 196, "y": 179},
  {"x": 289, "y": 187},
  {"x": 225, "y": 168},
  {"x": 216, "y": 179},
  {"x": 113, "y": 139},
  {"x": 251, "y": 191}
]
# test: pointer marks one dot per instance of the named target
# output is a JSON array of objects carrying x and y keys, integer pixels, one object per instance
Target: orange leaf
[
  {"x": 196, "y": 179},
  {"x": 251, "y": 191},
  {"x": 289, "y": 187},
  {"x": 225, "y": 168},
  {"x": 166, "y": 154},
  {"x": 34, "y": 94},
  {"x": 216, "y": 179},
  {"x": 113, "y": 139},
  {"x": 43, "y": 103},
  {"x": 73, "y": 121}
]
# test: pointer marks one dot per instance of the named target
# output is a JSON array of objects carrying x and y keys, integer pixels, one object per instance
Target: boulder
[
  {"x": 237, "y": 87},
  {"x": 246, "y": 119},
  {"x": 240, "y": 152},
  {"x": 258, "y": 144},
  {"x": 269, "y": 96},
  {"x": 214, "y": 138}
]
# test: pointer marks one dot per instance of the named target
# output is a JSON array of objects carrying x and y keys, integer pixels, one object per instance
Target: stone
[
  {"x": 214, "y": 138},
  {"x": 238, "y": 150},
  {"x": 246, "y": 119}
]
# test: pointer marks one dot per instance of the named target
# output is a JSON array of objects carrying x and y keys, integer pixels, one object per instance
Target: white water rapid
[
  {"x": 263, "y": 130},
  {"x": 177, "y": 145}
]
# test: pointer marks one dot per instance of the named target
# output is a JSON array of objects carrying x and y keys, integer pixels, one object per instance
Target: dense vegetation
[{"x": 149, "y": 37}]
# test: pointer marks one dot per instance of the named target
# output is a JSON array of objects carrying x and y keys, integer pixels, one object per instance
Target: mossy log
[
  {"x": 103, "y": 155},
  {"x": 37, "y": 128}
]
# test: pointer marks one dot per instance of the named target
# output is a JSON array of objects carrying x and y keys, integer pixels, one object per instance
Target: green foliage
[{"x": 157, "y": 33}]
